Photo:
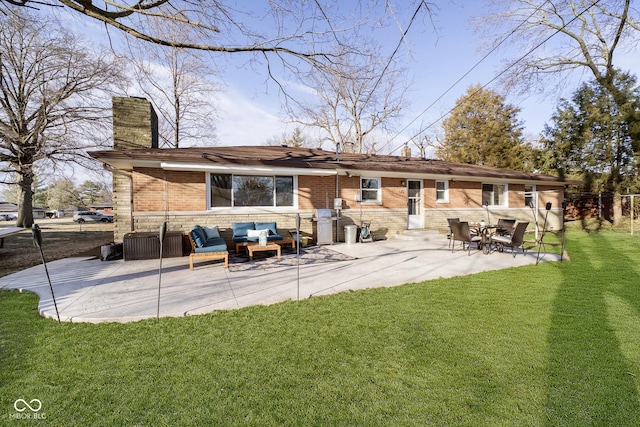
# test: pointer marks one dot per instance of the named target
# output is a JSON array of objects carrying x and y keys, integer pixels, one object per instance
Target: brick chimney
[
  {"x": 405, "y": 152},
  {"x": 135, "y": 124}
]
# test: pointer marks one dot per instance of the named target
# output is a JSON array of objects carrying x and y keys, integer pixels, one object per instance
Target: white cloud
[{"x": 244, "y": 121}]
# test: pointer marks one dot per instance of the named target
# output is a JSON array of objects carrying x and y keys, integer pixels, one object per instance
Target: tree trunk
[
  {"x": 617, "y": 209},
  {"x": 25, "y": 202}
]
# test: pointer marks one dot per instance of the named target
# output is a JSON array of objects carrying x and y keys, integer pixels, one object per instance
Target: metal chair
[
  {"x": 462, "y": 233},
  {"x": 515, "y": 240}
]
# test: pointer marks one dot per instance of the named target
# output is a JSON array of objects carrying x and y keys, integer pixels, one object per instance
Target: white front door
[{"x": 414, "y": 203}]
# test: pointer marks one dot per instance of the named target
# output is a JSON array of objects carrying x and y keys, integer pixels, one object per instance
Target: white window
[
  {"x": 529, "y": 195},
  {"x": 494, "y": 194},
  {"x": 442, "y": 191},
  {"x": 371, "y": 190},
  {"x": 251, "y": 191}
]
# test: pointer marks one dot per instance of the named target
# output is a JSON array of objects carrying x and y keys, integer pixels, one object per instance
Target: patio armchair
[
  {"x": 515, "y": 240},
  {"x": 206, "y": 243},
  {"x": 462, "y": 233}
]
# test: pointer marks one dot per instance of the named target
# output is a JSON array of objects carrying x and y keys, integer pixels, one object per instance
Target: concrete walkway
[{"x": 90, "y": 290}]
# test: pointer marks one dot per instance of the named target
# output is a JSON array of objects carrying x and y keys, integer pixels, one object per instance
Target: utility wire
[
  {"x": 476, "y": 65},
  {"x": 493, "y": 79},
  {"x": 402, "y": 38}
]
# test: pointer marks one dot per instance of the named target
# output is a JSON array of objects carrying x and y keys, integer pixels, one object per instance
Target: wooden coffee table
[{"x": 256, "y": 247}]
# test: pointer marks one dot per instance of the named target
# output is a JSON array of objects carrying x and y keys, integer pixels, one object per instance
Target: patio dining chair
[
  {"x": 505, "y": 226},
  {"x": 450, "y": 235},
  {"x": 515, "y": 240},
  {"x": 462, "y": 233}
]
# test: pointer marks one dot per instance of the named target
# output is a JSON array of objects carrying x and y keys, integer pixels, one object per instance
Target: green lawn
[{"x": 556, "y": 344}]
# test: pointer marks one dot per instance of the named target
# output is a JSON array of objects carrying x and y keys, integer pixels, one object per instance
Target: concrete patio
[{"x": 90, "y": 290}]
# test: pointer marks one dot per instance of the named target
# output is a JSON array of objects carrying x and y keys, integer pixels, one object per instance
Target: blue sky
[
  {"x": 441, "y": 52},
  {"x": 436, "y": 53}
]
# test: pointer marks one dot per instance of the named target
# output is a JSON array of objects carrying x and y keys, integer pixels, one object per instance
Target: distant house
[
  {"x": 106, "y": 207},
  {"x": 220, "y": 185},
  {"x": 7, "y": 208}
]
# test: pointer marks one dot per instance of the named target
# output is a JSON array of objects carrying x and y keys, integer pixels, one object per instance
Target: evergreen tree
[
  {"x": 595, "y": 138},
  {"x": 484, "y": 130},
  {"x": 62, "y": 194}
]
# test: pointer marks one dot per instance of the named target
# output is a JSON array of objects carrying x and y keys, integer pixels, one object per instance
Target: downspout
[
  {"x": 337, "y": 194},
  {"x": 166, "y": 195},
  {"x": 337, "y": 210}
]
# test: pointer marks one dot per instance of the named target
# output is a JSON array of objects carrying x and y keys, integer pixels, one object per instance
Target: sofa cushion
[
  {"x": 198, "y": 237},
  {"x": 200, "y": 232},
  {"x": 211, "y": 232},
  {"x": 271, "y": 226},
  {"x": 220, "y": 247},
  {"x": 240, "y": 228}
]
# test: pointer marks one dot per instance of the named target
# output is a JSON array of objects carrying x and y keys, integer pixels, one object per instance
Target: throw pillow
[
  {"x": 211, "y": 232},
  {"x": 256, "y": 233}
]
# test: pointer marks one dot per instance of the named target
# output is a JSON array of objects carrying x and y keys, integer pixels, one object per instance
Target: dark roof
[
  {"x": 12, "y": 207},
  {"x": 8, "y": 207},
  {"x": 289, "y": 157}
]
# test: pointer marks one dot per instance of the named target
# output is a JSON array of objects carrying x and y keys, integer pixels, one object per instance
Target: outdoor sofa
[
  {"x": 247, "y": 232},
  {"x": 206, "y": 243}
]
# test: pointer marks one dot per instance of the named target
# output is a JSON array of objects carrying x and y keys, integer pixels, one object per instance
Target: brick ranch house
[{"x": 220, "y": 185}]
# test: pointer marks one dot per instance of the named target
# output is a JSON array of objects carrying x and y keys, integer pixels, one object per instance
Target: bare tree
[
  {"x": 353, "y": 100},
  {"x": 285, "y": 37},
  {"x": 178, "y": 83},
  {"x": 558, "y": 37},
  {"x": 52, "y": 101}
]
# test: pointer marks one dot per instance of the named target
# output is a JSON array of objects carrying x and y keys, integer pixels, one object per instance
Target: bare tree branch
[
  {"x": 564, "y": 36},
  {"x": 352, "y": 101}
]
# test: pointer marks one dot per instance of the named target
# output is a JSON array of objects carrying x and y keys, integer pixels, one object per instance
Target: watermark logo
[
  {"x": 28, "y": 410},
  {"x": 21, "y": 405}
]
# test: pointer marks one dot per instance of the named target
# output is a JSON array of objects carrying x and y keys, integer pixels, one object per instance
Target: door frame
[{"x": 415, "y": 221}]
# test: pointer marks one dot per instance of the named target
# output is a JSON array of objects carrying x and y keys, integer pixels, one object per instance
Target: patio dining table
[{"x": 485, "y": 231}]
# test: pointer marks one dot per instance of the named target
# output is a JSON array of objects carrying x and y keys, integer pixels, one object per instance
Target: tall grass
[{"x": 553, "y": 344}]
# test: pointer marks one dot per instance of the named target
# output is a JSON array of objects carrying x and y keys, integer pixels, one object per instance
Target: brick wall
[
  {"x": 186, "y": 205},
  {"x": 159, "y": 190},
  {"x": 316, "y": 192},
  {"x": 385, "y": 222}
]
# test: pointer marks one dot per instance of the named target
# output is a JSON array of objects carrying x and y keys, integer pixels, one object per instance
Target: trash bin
[{"x": 350, "y": 232}]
